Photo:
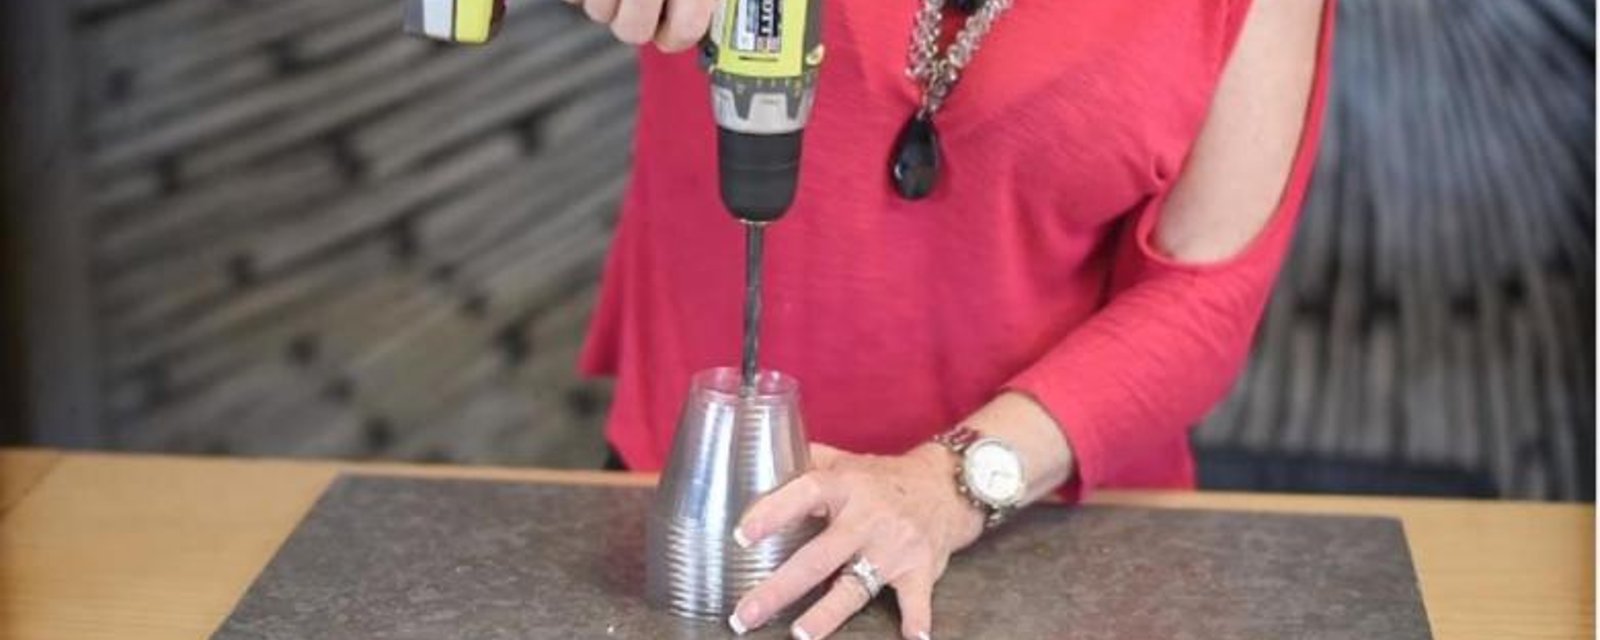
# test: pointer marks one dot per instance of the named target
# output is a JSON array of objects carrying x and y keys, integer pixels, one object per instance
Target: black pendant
[
  {"x": 968, "y": 7},
  {"x": 914, "y": 166}
]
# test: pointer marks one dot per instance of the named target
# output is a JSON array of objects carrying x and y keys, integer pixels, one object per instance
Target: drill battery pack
[{"x": 460, "y": 21}]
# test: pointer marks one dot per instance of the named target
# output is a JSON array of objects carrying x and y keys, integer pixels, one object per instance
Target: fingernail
[
  {"x": 798, "y": 634},
  {"x": 740, "y": 539},
  {"x": 923, "y": 635},
  {"x": 746, "y": 616}
]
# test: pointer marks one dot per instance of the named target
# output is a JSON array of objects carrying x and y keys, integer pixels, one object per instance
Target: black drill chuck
[{"x": 759, "y": 173}]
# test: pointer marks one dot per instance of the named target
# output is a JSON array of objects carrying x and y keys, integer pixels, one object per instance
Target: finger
[
  {"x": 842, "y": 600},
  {"x": 636, "y": 20},
  {"x": 914, "y": 593},
  {"x": 812, "y": 493},
  {"x": 686, "y": 22},
  {"x": 601, "y": 11},
  {"x": 808, "y": 567}
]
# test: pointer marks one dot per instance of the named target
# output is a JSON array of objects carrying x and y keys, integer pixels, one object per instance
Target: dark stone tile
[{"x": 397, "y": 558}]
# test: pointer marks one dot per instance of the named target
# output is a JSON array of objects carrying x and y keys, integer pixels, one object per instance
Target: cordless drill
[{"x": 763, "y": 57}]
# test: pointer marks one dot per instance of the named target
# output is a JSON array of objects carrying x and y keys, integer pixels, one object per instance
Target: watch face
[{"x": 993, "y": 473}]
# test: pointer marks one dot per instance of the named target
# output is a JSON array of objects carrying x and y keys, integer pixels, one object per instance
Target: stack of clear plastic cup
[{"x": 733, "y": 446}]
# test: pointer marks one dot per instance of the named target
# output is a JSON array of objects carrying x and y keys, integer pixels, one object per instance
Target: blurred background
[{"x": 279, "y": 227}]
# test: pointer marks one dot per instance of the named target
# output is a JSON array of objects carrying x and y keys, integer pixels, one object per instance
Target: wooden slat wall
[
  {"x": 317, "y": 236},
  {"x": 314, "y": 236}
]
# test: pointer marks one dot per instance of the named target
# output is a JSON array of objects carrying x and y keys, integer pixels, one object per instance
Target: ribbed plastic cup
[{"x": 731, "y": 448}]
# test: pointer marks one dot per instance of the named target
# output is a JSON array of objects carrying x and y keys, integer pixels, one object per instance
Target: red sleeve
[{"x": 1173, "y": 337}]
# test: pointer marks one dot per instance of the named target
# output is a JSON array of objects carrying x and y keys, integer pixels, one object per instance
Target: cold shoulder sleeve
[{"x": 1172, "y": 336}]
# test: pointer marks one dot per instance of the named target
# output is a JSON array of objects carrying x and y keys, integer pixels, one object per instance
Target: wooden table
[{"x": 129, "y": 547}]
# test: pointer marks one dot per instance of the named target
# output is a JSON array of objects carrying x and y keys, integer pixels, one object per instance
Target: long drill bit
[{"x": 753, "y": 239}]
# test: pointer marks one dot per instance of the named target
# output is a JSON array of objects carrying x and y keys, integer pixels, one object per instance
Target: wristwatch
[{"x": 988, "y": 472}]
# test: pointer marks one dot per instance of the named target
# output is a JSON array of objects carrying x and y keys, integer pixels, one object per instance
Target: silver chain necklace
[{"x": 914, "y": 164}]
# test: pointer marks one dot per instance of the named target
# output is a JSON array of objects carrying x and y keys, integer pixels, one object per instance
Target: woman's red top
[{"x": 1030, "y": 267}]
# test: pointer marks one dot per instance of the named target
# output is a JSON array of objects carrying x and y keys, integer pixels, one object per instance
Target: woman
[{"x": 1080, "y": 285}]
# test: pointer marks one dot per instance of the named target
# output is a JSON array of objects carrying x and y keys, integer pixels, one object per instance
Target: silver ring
[{"x": 866, "y": 575}]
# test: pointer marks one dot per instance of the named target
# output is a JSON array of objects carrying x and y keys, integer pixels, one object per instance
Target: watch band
[{"x": 957, "y": 440}]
